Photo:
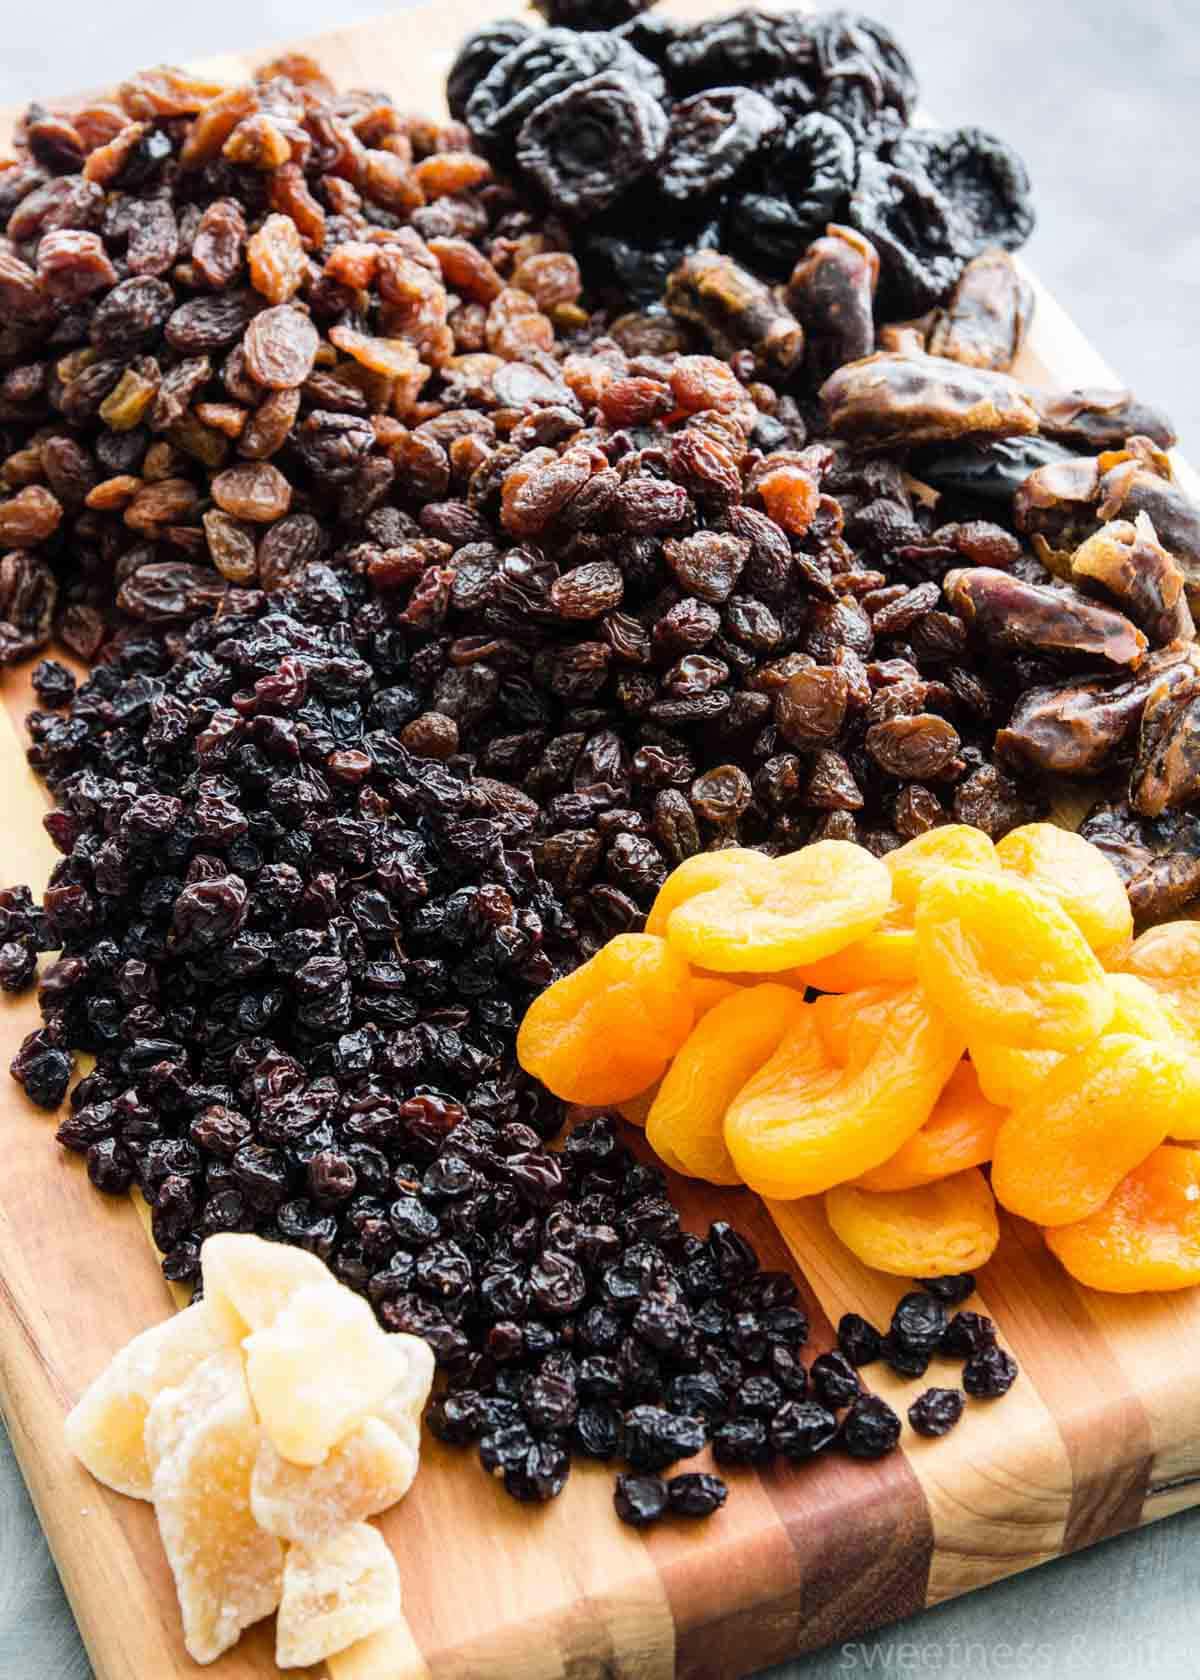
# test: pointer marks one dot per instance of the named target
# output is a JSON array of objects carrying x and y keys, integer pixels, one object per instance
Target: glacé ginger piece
[
  {"x": 364, "y": 1474},
  {"x": 249, "y": 1281},
  {"x": 105, "y": 1428},
  {"x": 319, "y": 1369},
  {"x": 335, "y": 1592},
  {"x": 202, "y": 1439}
]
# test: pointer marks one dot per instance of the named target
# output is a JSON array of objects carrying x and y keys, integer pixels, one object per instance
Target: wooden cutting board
[{"x": 1102, "y": 1432}]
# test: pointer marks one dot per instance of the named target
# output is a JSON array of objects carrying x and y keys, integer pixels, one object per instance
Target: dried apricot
[
  {"x": 1168, "y": 958},
  {"x": 936, "y": 1230},
  {"x": 888, "y": 955},
  {"x": 811, "y": 903},
  {"x": 1007, "y": 1076},
  {"x": 1077, "y": 874},
  {"x": 953, "y": 846},
  {"x": 686, "y": 1124},
  {"x": 607, "y": 1031},
  {"x": 805, "y": 1122},
  {"x": 852, "y": 1023},
  {"x": 1146, "y": 1235},
  {"x": 708, "y": 990},
  {"x": 1145, "y": 1013},
  {"x": 1006, "y": 963},
  {"x": 1094, "y": 1117},
  {"x": 701, "y": 874},
  {"x": 960, "y": 1133}
]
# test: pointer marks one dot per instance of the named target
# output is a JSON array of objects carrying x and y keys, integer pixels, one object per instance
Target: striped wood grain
[{"x": 1103, "y": 1432}]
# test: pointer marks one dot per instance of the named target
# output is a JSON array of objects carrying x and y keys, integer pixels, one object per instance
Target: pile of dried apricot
[{"x": 915, "y": 1038}]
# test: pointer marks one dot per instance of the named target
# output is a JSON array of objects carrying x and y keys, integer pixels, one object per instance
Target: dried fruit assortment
[
  {"x": 267, "y": 1423},
  {"x": 1083, "y": 1060},
  {"x": 534, "y": 580},
  {"x": 751, "y": 132}
]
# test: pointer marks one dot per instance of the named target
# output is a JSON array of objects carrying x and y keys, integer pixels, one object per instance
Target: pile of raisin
[
  {"x": 572, "y": 1315},
  {"x": 751, "y": 132},
  {"x": 229, "y": 318}
]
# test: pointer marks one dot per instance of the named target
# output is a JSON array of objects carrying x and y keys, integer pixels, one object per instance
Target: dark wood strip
[{"x": 1103, "y": 1425}]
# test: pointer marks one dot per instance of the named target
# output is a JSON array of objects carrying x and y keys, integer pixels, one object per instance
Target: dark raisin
[
  {"x": 834, "y": 1380},
  {"x": 919, "y": 1322},
  {"x": 640, "y": 1500},
  {"x": 870, "y": 1429},
  {"x": 967, "y": 1334},
  {"x": 989, "y": 1373},
  {"x": 936, "y": 1411},
  {"x": 696, "y": 1494},
  {"x": 857, "y": 1339},
  {"x": 801, "y": 1428}
]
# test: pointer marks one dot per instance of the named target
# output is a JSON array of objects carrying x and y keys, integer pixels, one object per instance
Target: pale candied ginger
[
  {"x": 364, "y": 1474},
  {"x": 319, "y": 1369},
  {"x": 202, "y": 1440},
  {"x": 106, "y": 1428},
  {"x": 335, "y": 1593},
  {"x": 248, "y": 1282},
  {"x": 274, "y": 1411}
]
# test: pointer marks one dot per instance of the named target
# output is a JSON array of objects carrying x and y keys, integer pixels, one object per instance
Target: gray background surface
[{"x": 1101, "y": 98}]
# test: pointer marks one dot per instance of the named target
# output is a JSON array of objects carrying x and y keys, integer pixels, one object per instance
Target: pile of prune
[{"x": 750, "y": 132}]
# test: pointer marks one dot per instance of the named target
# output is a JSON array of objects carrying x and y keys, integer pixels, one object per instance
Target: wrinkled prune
[
  {"x": 479, "y": 52},
  {"x": 799, "y": 182},
  {"x": 546, "y": 63},
  {"x": 914, "y": 228},
  {"x": 982, "y": 179},
  {"x": 585, "y": 145},
  {"x": 713, "y": 137}
]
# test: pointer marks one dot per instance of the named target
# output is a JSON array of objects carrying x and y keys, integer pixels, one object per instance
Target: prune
[
  {"x": 696, "y": 1494},
  {"x": 800, "y": 181},
  {"x": 545, "y": 64},
  {"x": 743, "y": 47},
  {"x": 936, "y": 1411},
  {"x": 989, "y": 1373},
  {"x": 482, "y": 49},
  {"x": 640, "y": 1500},
  {"x": 582, "y": 147},
  {"x": 913, "y": 227},
  {"x": 632, "y": 252},
  {"x": 982, "y": 179},
  {"x": 712, "y": 138},
  {"x": 870, "y": 1429},
  {"x": 856, "y": 50}
]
